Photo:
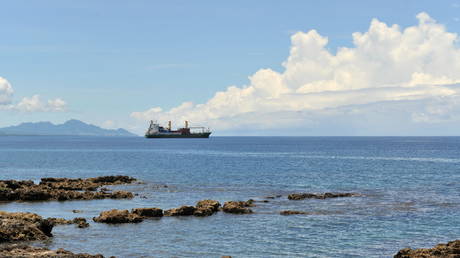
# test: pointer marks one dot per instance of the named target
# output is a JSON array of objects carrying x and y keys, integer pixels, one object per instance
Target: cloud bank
[
  {"x": 407, "y": 76},
  {"x": 27, "y": 104}
]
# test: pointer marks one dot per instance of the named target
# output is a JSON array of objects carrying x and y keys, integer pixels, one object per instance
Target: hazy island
[{"x": 71, "y": 127}]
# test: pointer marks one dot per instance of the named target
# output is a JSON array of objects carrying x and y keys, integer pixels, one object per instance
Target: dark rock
[
  {"x": 291, "y": 212},
  {"x": 449, "y": 250},
  {"x": 80, "y": 222},
  {"x": 23, "y": 226},
  {"x": 237, "y": 207},
  {"x": 301, "y": 196},
  {"x": 117, "y": 216},
  {"x": 181, "y": 211},
  {"x": 25, "y": 251},
  {"x": 148, "y": 212},
  {"x": 208, "y": 204},
  {"x": 89, "y": 184},
  {"x": 61, "y": 189}
]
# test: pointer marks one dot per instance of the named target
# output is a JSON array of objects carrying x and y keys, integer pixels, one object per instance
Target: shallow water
[{"x": 410, "y": 187}]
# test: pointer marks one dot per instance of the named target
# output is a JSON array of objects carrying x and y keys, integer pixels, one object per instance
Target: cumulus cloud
[
  {"x": 388, "y": 68},
  {"x": 35, "y": 104},
  {"x": 6, "y": 91},
  {"x": 27, "y": 104}
]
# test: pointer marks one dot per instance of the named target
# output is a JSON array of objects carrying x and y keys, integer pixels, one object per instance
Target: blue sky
[{"x": 108, "y": 59}]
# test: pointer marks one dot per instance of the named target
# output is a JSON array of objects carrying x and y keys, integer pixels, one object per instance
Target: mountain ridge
[{"x": 72, "y": 127}]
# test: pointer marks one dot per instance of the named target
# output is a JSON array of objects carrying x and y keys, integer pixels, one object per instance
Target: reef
[
  {"x": 301, "y": 196},
  {"x": 23, "y": 226},
  {"x": 80, "y": 222},
  {"x": 117, "y": 216},
  {"x": 63, "y": 189},
  {"x": 449, "y": 250},
  {"x": 25, "y": 251},
  {"x": 238, "y": 207},
  {"x": 291, "y": 212}
]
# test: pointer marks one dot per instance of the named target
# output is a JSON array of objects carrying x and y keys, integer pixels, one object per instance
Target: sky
[{"x": 239, "y": 67}]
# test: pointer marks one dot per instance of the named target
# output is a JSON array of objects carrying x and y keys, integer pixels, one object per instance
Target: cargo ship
[{"x": 157, "y": 131}]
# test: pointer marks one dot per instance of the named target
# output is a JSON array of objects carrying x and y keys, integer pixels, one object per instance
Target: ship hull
[{"x": 192, "y": 135}]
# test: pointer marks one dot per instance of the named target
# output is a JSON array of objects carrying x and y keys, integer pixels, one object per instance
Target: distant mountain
[{"x": 71, "y": 127}]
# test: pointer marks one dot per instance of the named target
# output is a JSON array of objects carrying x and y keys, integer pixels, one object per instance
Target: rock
[
  {"x": 62, "y": 189},
  {"x": 80, "y": 222},
  {"x": 449, "y": 250},
  {"x": 117, "y": 216},
  {"x": 181, "y": 211},
  {"x": 148, "y": 212},
  {"x": 291, "y": 212},
  {"x": 237, "y": 207},
  {"x": 301, "y": 196},
  {"x": 25, "y": 251},
  {"x": 89, "y": 184},
  {"x": 23, "y": 226},
  {"x": 206, "y": 208},
  {"x": 211, "y": 204}
]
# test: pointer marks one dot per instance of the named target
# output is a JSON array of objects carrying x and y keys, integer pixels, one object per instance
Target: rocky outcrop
[
  {"x": 80, "y": 222},
  {"x": 206, "y": 208},
  {"x": 291, "y": 212},
  {"x": 181, "y": 211},
  {"x": 148, "y": 212},
  {"x": 63, "y": 189},
  {"x": 301, "y": 196},
  {"x": 86, "y": 184},
  {"x": 117, "y": 217},
  {"x": 238, "y": 207},
  {"x": 23, "y": 226},
  {"x": 25, "y": 251},
  {"x": 449, "y": 250}
]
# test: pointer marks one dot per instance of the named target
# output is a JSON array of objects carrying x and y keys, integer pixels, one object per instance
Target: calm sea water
[{"x": 411, "y": 188}]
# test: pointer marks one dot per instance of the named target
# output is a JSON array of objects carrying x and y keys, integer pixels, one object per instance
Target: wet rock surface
[
  {"x": 148, "y": 212},
  {"x": 86, "y": 184},
  {"x": 80, "y": 222},
  {"x": 63, "y": 189},
  {"x": 25, "y": 251},
  {"x": 301, "y": 196},
  {"x": 449, "y": 250},
  {"x": 238, "y": 207},
  {"x": 24, "y": 226},
  {"x": 291, "y": 212},
  {"x": 206, "y": 208},
  {"x": 117, "y": 216},
  {"x": 181, "y": 211}
]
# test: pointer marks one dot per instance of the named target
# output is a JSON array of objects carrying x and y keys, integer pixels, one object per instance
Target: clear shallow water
[{"x": 411, "y": 188}]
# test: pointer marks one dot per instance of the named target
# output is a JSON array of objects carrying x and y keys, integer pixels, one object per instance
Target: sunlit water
[{"x": 410, "y": 187}]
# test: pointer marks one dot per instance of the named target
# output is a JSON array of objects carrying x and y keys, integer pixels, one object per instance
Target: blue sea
[{"x": 410, "y": 190}]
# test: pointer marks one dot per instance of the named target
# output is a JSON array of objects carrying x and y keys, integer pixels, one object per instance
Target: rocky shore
[
  {"x": 449, "y": 250},
  {"x": 25, "y": 251},
  {"x": 62, "y": 189}
]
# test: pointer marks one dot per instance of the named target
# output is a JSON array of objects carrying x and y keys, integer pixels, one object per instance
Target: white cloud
[
  {"x": 35, "y": 104},
  {"x": 6, "y": 91},
  {"x": 388, "y": 66},
  {"x": 27, "y": 104}
]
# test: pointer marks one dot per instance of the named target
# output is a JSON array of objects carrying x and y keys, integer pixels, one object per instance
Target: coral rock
[
  {"x": 117, "y": 216},
  {"x": 148, "y": 212}
]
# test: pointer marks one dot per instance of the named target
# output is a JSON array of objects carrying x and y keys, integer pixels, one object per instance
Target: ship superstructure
[{"x": 157, "y": 131}]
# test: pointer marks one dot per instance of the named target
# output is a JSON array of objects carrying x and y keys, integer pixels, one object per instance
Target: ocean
[{"x": 410, "y": 189}]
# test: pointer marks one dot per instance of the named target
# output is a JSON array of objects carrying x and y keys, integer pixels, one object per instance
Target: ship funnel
[{"x": 186, "y": 124}]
